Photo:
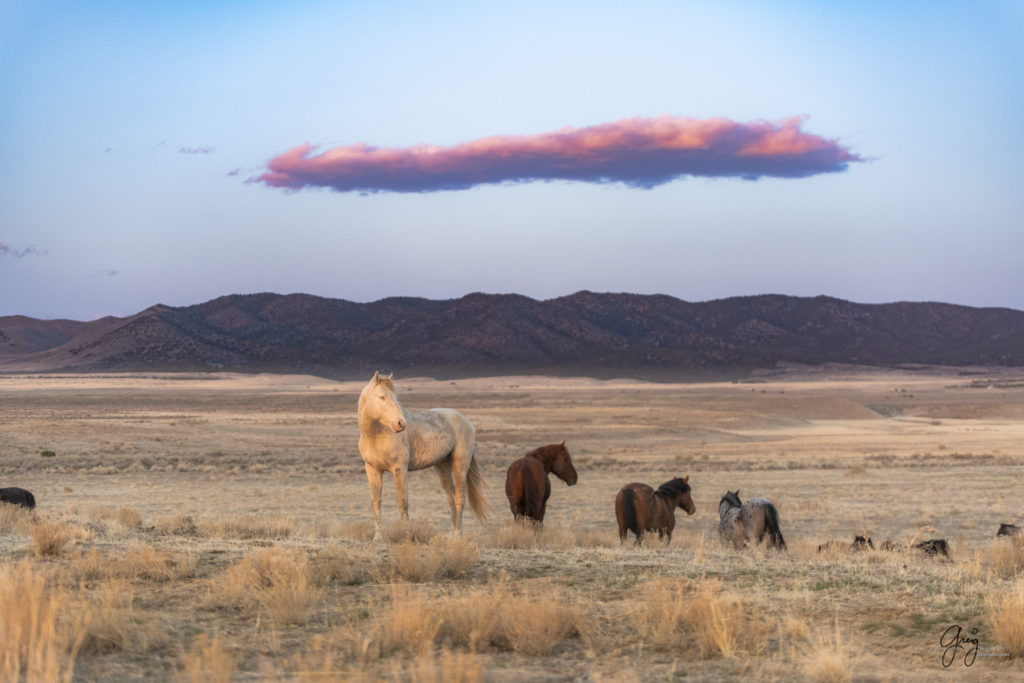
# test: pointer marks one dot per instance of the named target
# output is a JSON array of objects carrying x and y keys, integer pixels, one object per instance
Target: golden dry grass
[{"x": 217, "y": 527}]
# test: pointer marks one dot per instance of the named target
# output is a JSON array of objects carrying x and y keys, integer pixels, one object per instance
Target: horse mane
[
  {"x": 547, "y": 453},
  {"x": 673, "y": 488},
  {"x": 733, "y": 499}
]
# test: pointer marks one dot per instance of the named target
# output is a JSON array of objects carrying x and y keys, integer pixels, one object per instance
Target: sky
[{"x": 176, "y": 152}]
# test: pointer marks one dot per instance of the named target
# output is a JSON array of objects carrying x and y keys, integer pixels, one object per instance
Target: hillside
[{"x": 585, "y": 333}]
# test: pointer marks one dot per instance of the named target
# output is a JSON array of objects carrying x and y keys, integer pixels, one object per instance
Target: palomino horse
[
  {"x": 639, "y": 508},
  {"x": 526, "y": 482},
  {"x": 756, "y": 518},
  {"x": 394, "y": 440}
]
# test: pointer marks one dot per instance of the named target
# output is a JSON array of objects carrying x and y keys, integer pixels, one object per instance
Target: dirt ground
[{"x": 214, "y": 470}]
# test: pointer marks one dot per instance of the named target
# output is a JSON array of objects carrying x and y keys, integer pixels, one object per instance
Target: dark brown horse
[
  {"x": 1008, "y": 530},
  {"x": 17, "y": 496},
  {"x": 527, "y": 485},
  {"x": 640, "y": 508}
]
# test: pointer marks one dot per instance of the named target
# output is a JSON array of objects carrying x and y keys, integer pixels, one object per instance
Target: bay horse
[
  {"x": 527, "y": 485},
  {"x": 639, "y": 508},
  {"x": 392, "y": 439},
  {"x": 17, "y": 496},
  {"x": 757, "y": 518}
]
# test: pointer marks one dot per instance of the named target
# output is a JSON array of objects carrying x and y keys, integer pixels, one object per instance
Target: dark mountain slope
[{"x": 584, "y": 333}]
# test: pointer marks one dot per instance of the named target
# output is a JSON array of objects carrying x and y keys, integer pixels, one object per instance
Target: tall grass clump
[
  {"x": 276, "y": 580},
  {"x": 13, "y": 518},
  {"x": 410, "y": 531},
  {"x": 206, "y": 662},
  {"x": 34, "y": 644},
  {"x": 826, "y": 659},
  {"x": 50, "y": 538},
  {"x": 674, "y": 612},
  {"x": 472, "y": 619},
  {"x": 106, "y": 620},
  {"x": 448, "y": 667},
  {"x": 411, "y": 625},
  {"x": 441, "y": 557},
  {"x": 1007, "y": 555},
  {"x": 251, "y": 527},
  {"x": 1006, "y": 614},
  {"x": 536, "y": 622}
]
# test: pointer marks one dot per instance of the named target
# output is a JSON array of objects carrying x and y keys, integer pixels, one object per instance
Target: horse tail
[
  {"x": 475, "y": 486},
  {"x": 771, "y": 518},
  {"x": 629, "y": 509},
  {"x": 30, "y": 499}
]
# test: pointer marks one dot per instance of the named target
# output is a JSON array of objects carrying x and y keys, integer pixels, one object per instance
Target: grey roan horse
[{"x": 755, "y": 519}]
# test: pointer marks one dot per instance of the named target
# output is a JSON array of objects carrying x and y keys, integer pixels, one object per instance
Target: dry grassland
[{"x": 217, "y": 527}]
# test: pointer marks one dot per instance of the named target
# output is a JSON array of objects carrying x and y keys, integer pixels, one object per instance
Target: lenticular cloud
[{"x": 638, "y": 152}]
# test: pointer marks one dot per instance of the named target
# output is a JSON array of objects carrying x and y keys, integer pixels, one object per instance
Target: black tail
[
  {"x": 629, "y": 508},
  {"x": 771, "y": 522},
  {"x": 30, "y": 499}
]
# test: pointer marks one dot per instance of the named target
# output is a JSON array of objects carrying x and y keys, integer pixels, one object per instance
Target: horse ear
[
  {"x": 686, "y": 479},
  {"x": 563, "y": 443},
  {"x": 391, "y": 375},
  {"x": 376, "y": 376}
]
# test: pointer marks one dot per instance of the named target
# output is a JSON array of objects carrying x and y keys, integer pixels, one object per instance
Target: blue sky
[{"x": 128, "y": 131}]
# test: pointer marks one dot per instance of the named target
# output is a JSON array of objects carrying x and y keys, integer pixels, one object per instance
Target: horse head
[
  {"x": 562, "y": 465},
  {"x": 378, "y": 402},
  {"x": 732, "y": 498},
  {"x": 679, "y": 490}
]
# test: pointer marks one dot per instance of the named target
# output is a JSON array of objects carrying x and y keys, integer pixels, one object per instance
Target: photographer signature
[{"x": 953, "y": 640}]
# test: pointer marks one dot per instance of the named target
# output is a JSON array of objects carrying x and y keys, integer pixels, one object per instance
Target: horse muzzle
[{"x": 398, "y": 426}]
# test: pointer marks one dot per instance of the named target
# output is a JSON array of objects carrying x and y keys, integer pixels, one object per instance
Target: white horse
[{"x": 393, "y": 439}]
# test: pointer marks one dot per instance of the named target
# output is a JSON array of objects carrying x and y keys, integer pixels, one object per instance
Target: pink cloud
[{"x": 638, "y": 152}]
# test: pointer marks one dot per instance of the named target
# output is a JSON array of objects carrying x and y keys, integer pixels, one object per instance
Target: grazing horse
[
  {"x": 933, "y": 547},
  {"x": 859, "y": 543},
  {"x": 17, "y": 496},
  {"x": 391, "y": 439},
  {"x": 639, "y": 508},
  {"x": 1008, "y": 530},
  {"x": 526, "y": 482},
  {"x": 754, "y": 519}
]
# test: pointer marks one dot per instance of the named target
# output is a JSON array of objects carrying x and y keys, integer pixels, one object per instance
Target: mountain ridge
[{"x": 587, "y": 333}]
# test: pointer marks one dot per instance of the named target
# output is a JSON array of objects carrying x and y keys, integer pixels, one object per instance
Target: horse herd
[{"x": 396, "y": 440}]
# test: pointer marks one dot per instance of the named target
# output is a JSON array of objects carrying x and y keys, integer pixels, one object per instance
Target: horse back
[
  {"x": 435, "y": 434},
  {"x": 17, "y": 496}
]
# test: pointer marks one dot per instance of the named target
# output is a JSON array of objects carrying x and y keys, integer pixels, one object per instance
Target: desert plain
[{"x": 217, "y": 526}]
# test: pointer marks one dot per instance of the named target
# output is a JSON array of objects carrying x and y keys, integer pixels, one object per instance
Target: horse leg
[
  {"x": 373, "y": 478},
  {"x": 460, "y": 459},
  {"x": 402, "y": 492},
  {"x": 444, "y": 475}
]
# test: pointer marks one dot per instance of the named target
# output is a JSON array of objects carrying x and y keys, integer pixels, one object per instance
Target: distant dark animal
[
  {"x": 17, "y": 496},
  {"x": 526, "y": 482},
  {"x": 860, "y": 543},
  {"x": 639, "y": 508},
  {"x": 933, "y": 547},
  {"x": 1008, "y": 530},
  {"x": 755, "y": 519}
]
